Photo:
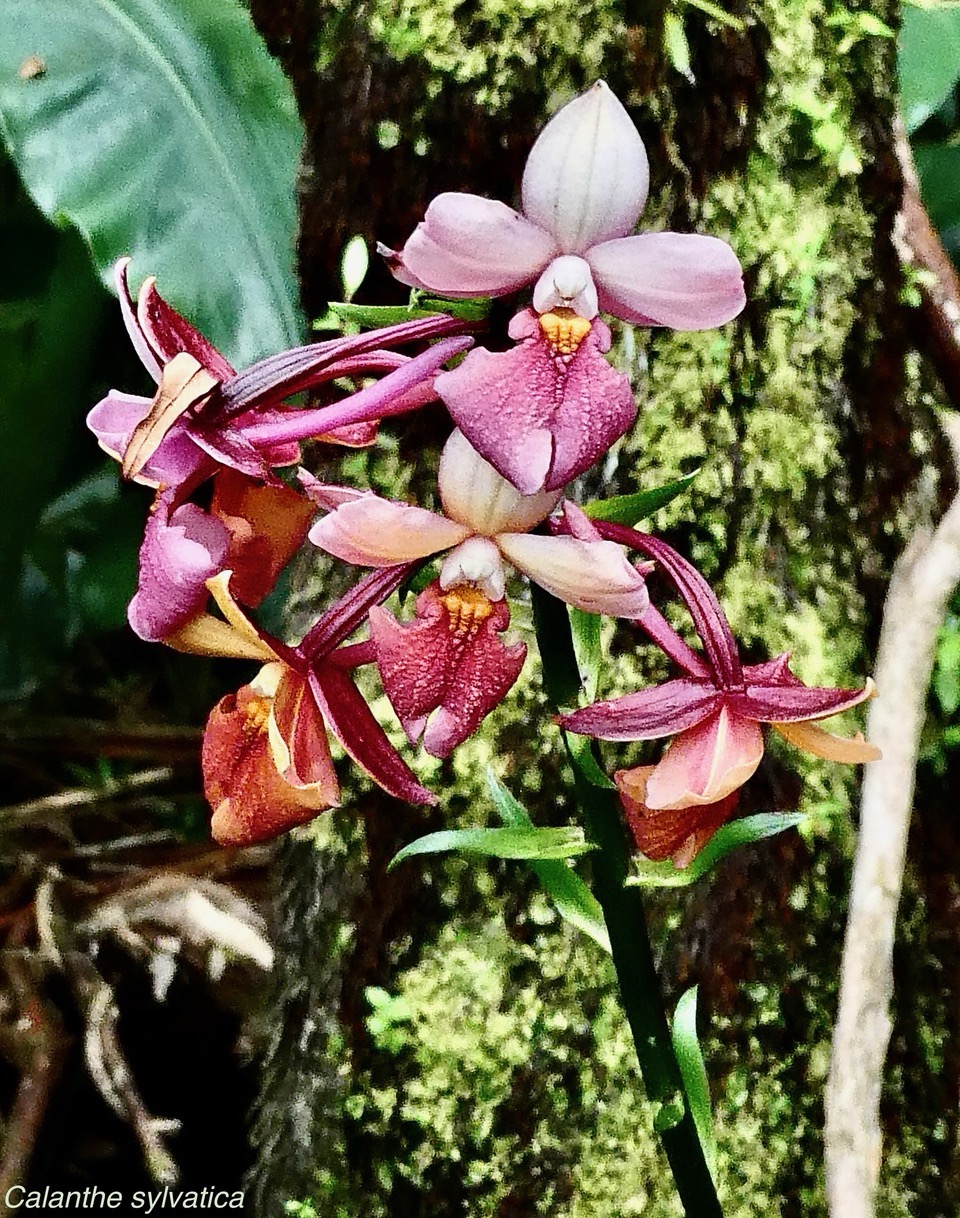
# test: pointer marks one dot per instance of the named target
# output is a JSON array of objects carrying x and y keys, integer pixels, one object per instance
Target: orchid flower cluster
[{"x": 528, "y": 420}]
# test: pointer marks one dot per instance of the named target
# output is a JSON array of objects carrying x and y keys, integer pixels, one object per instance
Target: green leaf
[
  {"x": 163, "y": 129},
  {"x": 676, "y": 45},
  {"x": 718, "y": 14},
  {"x": 928, "y": 60},
  {"x": 737, "y": 833},
  {"x": 581, "y": 752},
  {"x": 946, "y": 675},
  {"x": 571, "y": 897},
  {"x": 525, "y": 843},
  {"x": 376, "y": 315},
  {"x": 939, "y": 168},
  {"x": 628, "y": 509},
  {"x": 586, "y": 643},
  {"x": 474, "y": 308},
  {"x": 686, "y": 1046}
]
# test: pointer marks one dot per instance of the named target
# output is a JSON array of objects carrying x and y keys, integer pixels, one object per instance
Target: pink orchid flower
[
  {"x": 451, "y": 660},
  {"x": 544, "y": 411},
  {"x": 251, "y": 529},
  {"x": 204, "y": 416},
  {"x": 714, "y": 710},
  {"x": 266, "y": 757}
]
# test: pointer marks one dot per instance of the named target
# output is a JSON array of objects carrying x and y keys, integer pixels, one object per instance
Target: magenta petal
[
  {"x": 648, "y": 714},
  {"x": 353, "y": 724},
  {"x": 431, "y": 666},
  {"x": 113, "y": 419},
  {"x": 177, "y": 461},
  {"x": 783, "y": 703},
  {"x": 345, "y": 615},
  {"x": 470, "y": 246},
  {"x": 681, "y": 280},
  {"x": 229, "y": 447},
  {"x": 169, "y": 333},
  {"x": 539, "y": 418},
  {"x": 148, "y": 356},
  {"x": 181, "y": 550},
  {"x": 701, "y": 601},
  {"x": 771, "y": 672}
]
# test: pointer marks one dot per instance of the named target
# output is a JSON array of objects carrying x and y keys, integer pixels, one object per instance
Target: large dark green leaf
[
  {"x": 939, "y": 168},
  {"x": 163, "y": 129},
  {"x": 928, "y": 60}
]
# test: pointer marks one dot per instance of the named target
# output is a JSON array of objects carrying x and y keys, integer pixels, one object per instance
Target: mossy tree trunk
[{"x": 494, "y": 1077}]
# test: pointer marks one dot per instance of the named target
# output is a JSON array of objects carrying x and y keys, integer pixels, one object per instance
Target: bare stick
[{"x": 922, "y": 583}]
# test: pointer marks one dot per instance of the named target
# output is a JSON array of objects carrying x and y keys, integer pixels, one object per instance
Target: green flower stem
[{"x": 626, "y": 925}]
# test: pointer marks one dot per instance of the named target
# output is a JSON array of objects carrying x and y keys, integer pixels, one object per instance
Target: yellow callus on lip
[
  {"x": 564, "y": 330},
  {"x": 468, "y": 608}
]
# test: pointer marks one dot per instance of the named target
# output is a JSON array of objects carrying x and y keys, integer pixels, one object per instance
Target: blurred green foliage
[{"x": 160, "y": 130}]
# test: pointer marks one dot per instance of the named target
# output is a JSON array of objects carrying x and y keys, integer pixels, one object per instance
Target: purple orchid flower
[
  {"x": 205, "y": 416},
  {"x": 546, "y": 410},
  {"x": 266, "y": 756},
  {"x": 207, "y": 421},
  {"x": 713, "y": 711},
  {"x": 451, "y": 661}
]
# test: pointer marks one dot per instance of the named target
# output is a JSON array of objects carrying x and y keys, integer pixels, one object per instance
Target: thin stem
[{"x": 629, "y": 942}]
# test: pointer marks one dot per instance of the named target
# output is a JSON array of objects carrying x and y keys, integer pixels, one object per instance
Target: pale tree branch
[{"x": 922, "y": 583}]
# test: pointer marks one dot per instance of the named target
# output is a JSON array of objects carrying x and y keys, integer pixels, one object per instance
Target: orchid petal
[
  {"x": 539, "y": 417},
  {"x": 795, "y": 702},
  {"x": 475, "y": 562},
  {"x": 700, "y": 599},
  {"x": 298, "y": 739},
  {"x": 176, "y": 462},
  {"x": 682, "y": 280},
  {"x": 587, "y": 176},
  {"x": 853, "y": 750},
  {"x": 184, "y": 385},
  {"x": 707, "y": 762},
  {"x": 252, "y": 800},
  {"x": 661, "y": 833},
  {"x": 406, "y": 388},
  {"x": 169, "y": 334},
  {"x": 267, "y": 524},
  {"x": 375, "y": 532},
  {"x": 346, "y": 614},
  {"x": 353, "y": 724},
  {"x": 271, "y": 380},
  {"x": 662, "y": 710},
  {"x": 148, "y": 357},
  {"x": 181, "y": 550},
  {"x": 470, "y": 246},
  {"x": 206, "y": 635},
  {"x": 475, "y": 495},
  {"x": 328, "y": 495},
  {"x": 460, "y": 670},
  {"x": 592, "y": 575}
]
